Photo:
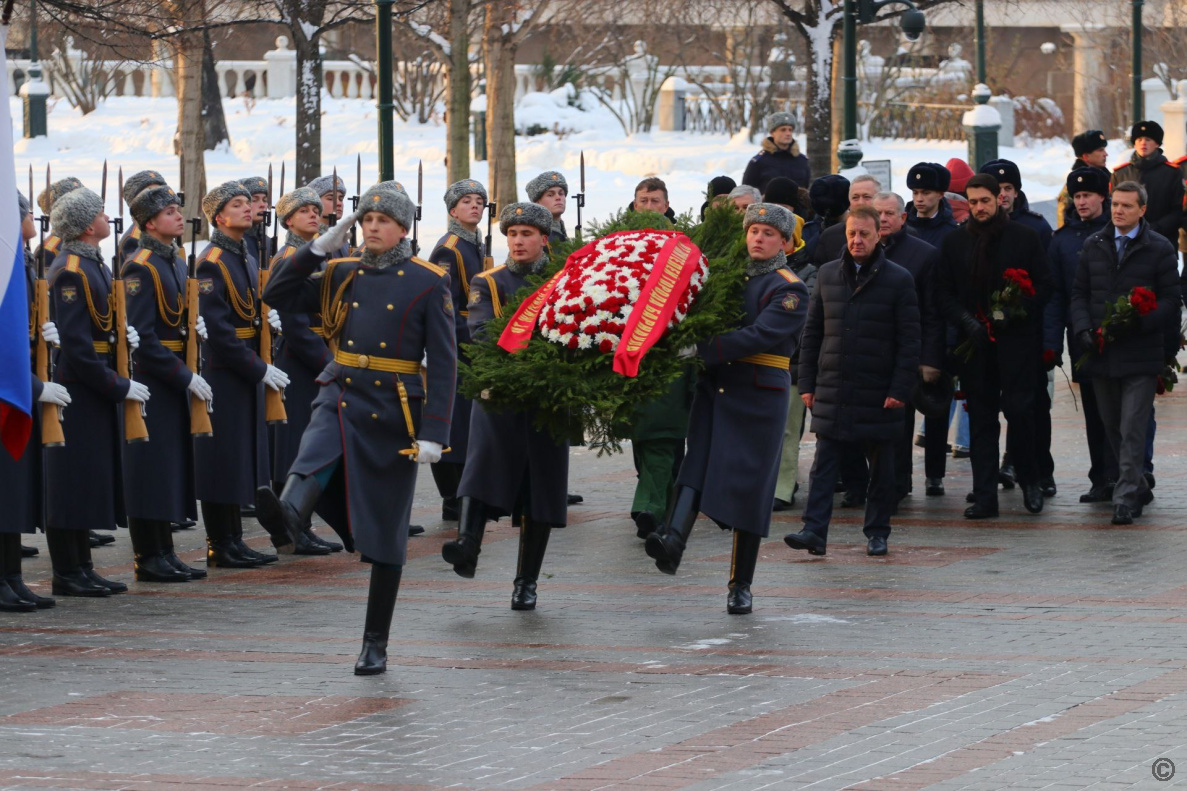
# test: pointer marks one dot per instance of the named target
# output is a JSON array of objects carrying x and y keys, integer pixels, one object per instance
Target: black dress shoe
[
  {"x": 373, "y": 658},
  {"x": 1122, "y": 515},
  {"x": 961, "y": 453},
  {"x": 814, "y": 544},
  {"x": 306, "y": 544},
  {"x": 157, "y": 568},
  {"x": 1006, "y": 476},
  {"x": 224, "y": 555},
  {"x": 853, "y": 500},
  {"x": 523, "y": 594},
  {"x": 333, "y": 546},
  {"x": 101, "y": 539},
  {"x": 876, "y": 546},
  {"x": 17, "y": 583},
  {"x": 1048, "y": 488},
  {"x": 415, "y": 530},
  {"x": 935, "y": 487},
  {"x": 11, "y": 602},
  {"x": 248, "y": 510},
  {"x": 1032, "y": 497},
  {"x": 177, "y": 563},
  {"x": 739, "y": 601},
  {"x": 977, "y": 511},
  {"x": 245, "y": 551},
  {"x": 783, "y": 505},
  {"x": 77, "y": 583},
  {"x": 111, "y": 585},
  {"x": 971, "y": 497},
  {"x": 645, "y": 524},
  {"x": 574, "y": 499},
  {"x": 1097, "y": 494},
  {"x": 29, "y": 552},
  {"x": 184, "y": 524}
]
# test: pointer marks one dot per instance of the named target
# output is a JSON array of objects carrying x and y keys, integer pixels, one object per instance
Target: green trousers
[
  {"x": 793, "y": 430},
  {"x": 656, "y": 464}
]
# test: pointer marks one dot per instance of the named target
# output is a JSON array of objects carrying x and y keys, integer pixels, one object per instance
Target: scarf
[
  {"x": 983, "y": 272},
  {"x": 756, "y": 267},
  {"x": 82, "y": 250},
  {"x": 220, "y": 239},
  {"x": 534, "y": 268}
]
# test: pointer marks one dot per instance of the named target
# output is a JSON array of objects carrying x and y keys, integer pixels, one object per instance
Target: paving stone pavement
[{"x": 1029, "y": 652}]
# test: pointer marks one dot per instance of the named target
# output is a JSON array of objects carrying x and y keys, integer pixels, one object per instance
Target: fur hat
[
  {"x": 929, "y": 176},
  {"x": 219, "y": 197},
  {"x": 23, "y": 204},
  {"x": 544, "y": 182},
  {"x": 323, "y": 185},
  {"x": 1087, "y": 142},
  {"x": 138, "y": 182},
  {"x": 829, "y": 195},
  {"x": 770, "y": 214},
  {"x": 776, "y": 120},
  {"x": 1088, "y": 180},
  {"x": 1149, "y": 129},
  {"x": 784, "y": 190},
  {"x": 390, "y": 199},
  {"x": 289, "y": 203},
  {"x": 460, "y": 189},
  {"x": 256, "y": 185},
  {"x": 1005, "y": 171},
  {"x": 525, "y": 214},
  {"x": 57, "y": 190},
  {"x": 150, "y": 202},
  {"x": 74, "y": 212},
  {"x": 394, "y": 185},
  {"x": 959, "y": 174}
]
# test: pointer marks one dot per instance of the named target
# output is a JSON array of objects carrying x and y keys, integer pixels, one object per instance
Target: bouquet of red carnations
[
  {"x": 1005, "y": 307},
  {"x": 1120, "y": 315}
]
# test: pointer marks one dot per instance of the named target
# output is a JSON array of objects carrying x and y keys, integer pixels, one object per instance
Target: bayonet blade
[
  {"x": 282, "y": 177},
  {"x": 49, "y": 193},
  {"x": 120, "y": 196},
  {"x": 358, "y": 184},
  {"x": 583, "y": 172},
  {"x": 103, "y": 189}
]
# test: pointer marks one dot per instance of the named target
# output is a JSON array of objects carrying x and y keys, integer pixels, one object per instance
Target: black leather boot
[
  {"x": 97, "y": 539},
  {"x": 381, "y": 603},
  {"x": 10, "y": 571},
  {"x": 148, "y": 558},
  {"x": 448, "y": 475},
  {"x": 746, "y": 546},
  {"x": 666, "y": 545},
  {"x": 88, "y": 567},
  {"x": 10, "y": 550},
  {"x": 29, "y": 552},
  {"x": 165, "y": 536},
  {"x": 69, "y": 579},
  {"x": 285, "y": 517},
  {"x": 463, "y": 553},
  {"x": 221, "y": 520},
  {"x": 533, "y": 542}
]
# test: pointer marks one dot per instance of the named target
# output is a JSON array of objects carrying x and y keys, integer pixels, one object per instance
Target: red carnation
[
  {"x": 1143, "y": 300},
  {"x": 606, "y": 346},
  {"x": 1020, "y": 278}
]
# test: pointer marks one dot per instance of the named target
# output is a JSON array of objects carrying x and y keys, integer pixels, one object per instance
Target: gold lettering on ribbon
[
  {"x": 658, "y": 297},
  {"x": 518, "y": 331}
]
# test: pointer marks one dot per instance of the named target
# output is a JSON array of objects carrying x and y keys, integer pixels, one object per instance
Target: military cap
[
  {"x": 532, "y": 214},
  {"x": 1088, "y": 180},
  {"x": 74, "y": 212},
  {"x": 1087, "y": 142},
  {"x": 150, "y": 202},
  {"x": 388, "y": 198},
  {"x": 771, "y": 214},
  {"x": 1005, "y": 171},
  {"x": 23, "y": 204},
  {"x": 776, "y": 120},
  {"x": 829, "y": 195},
  {"x": 140, "y": 181},
  {"x": 256, "y": 185},
  {"x": 929, "y": 176},
  {"x": 544, "y": 182},
  {"x": 290, "y": 202},
  {"x": 219, "y": 197},
  {"x": 460, "y": 189},
  {"x": 323, "y": 185},
  {"x": 1149, "y": 129},
  {"x": 57, "y": 190}
]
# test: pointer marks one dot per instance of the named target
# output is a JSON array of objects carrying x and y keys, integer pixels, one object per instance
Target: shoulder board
[
  {"x": 288, "y": 252},
  {"x": 1122, "y": 166},
  {"x": 52, "y": 243},
  {"x": 142, "y": 256},
  {"x": 437, "y": 270},
  {"x": 1174, "y": 164},
  {"x": 788, "y": 275},
  {"x": 488, "y": 274},
  {"x": 214, "y": 254},
  {"x": 135, "y": 231},
  {"x": 72, "y": 262},
  {"x": 451, "y": 241}
]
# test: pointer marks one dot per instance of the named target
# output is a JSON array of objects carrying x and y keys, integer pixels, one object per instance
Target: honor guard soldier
[
  {"x": 302, "y": 354},
  {"x": 735, "y": 431},
  {"x": 256, "y": 240},
  {"x": 45, "y": 201},
  {"x": 83, "y": 476},
  {"x": 460, "y": 252},
  {"x": 551, "y": 191},
  {"x": 375, "y": 417},
  {"x": 331, "y": 194},
  {"x": 159, "y": 474},
  {"x": 135, "y": 184},
  {"x": 511, "y": 466},
  {"x": 1092, "y": 151},
  {"x": 232, "y": 463}
]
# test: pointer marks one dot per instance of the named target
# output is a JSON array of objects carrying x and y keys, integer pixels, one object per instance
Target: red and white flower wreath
[{"x": 592, "y": 300}]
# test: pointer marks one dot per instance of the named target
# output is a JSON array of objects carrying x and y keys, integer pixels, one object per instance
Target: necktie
[{"x": 1122, "y": 242}]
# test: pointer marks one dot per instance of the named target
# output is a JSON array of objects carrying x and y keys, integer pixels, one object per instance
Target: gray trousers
[
  {"x": 789, "y": 461},
  {"x": 1125, "y": 404}
]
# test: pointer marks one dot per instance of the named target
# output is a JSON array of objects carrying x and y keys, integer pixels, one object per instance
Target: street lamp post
[
  {"x": 981, "y": 43},
  {"x": 1136, "y": 66},
  {"x": 384, "y": 106}
]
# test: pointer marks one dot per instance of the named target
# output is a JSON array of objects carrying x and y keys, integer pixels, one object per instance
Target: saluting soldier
[
  {"x": 384, "y": 311},
  {"x": 460, "y": 252},
  {"x": 511, "y": 465},
  {"x": 735, "y": 431},
  {"x": 134, "y": 185},
  {"x": 233, "y": 463},
  {"x": 551, "y": 191},
  {"x": 159, "y": 474},
  {"x": 302, "y": 354},
  {"x": 332, "y": 193},
  {"x": 48, "y": 250},
  {"x": 255, "y": 241},
  {"x": 83, "y": 477}
]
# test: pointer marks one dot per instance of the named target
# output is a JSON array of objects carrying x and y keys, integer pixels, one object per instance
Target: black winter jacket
[
  {"x": 773, "y": 161},
  {"x": 932, "y": 229},
  {"x": 921, "y": 260},
  {"x": 1031, "y": 219},
  {"x": 1164, "y": 186},
  {"x": 1064, "y": 255}
]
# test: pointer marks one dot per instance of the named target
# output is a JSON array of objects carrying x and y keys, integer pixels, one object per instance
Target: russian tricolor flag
[{"x": 16, "y": 386}]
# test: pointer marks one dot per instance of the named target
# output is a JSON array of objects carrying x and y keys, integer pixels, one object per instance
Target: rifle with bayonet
[
  {"x": 580, "y": 198},
  {"x": 354, "y": 201},
  {"x": 420, "y": 192},
  {"x": 276, "y": 222},
  {"x": 332, "y": 220},
  {"x": 135, "y": 429},
  {"x": 274, "y": 411},
  {"x": 488, "y": 261},
  {"x": 52, "y": 435},
  {"x": 200, "y": 410},
  {"x": 261, "y": 227}
]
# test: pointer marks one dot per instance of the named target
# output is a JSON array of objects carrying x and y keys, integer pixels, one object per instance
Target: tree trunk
[
  {"x": 819, "y": 110},
  {"x": 213, "y": 120},
  {"x": 310, "y": 79},
  {"x": 191, "y": 135},
  {"x": 499, "y": 57},
  {"x": 838, "y": 103},
  {"x": 458, "y": 146}
]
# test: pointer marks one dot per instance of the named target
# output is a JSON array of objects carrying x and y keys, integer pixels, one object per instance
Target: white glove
[
  {"x": 199, "y": 387},
  {"x": 49, "y": 331},
  {"x": 687, "y": 351},
  {"x": 428, "y": 452},
  {"x": 274, "y": 319},
  {"x": 200, "y": 327},
  {"x": 275, "y": 378},
  {"x": 335, "y": 237},
  {"x": 424, "y": 361},
  {"x": 133, "y": 339},
  {"x": 54, "y": 393},
  {"x": 137, "y": 392}
]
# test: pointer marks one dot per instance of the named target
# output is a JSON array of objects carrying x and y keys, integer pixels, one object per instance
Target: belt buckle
[{"x": 364, "y": 361}]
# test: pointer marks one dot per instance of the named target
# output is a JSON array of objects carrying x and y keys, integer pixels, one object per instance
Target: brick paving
[{"x": 1030, "y": 652}]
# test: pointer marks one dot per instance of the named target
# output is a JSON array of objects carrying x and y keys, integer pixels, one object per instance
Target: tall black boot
[
  {"x": 746, "y": 546},
  {"x": 381, "y": 603},
  {"x": 220, "y": 521},
  {"x": 69, "y": 579},
  {"x": 448, "y": 475},
  {"x": 11, "y": 569},
  {"x": 148, "y": 559},
  {"x": 666, "y": 545},
  {"x": 236, "y": 527},
  {"x": 165, "y": 537},
  {"x": 88, "y": 567},
  {"x": 10, "y": 601},
  {"x": 285, "y": 517},
  {"x": 533, "y": 542},
  {"x": 463, "y": 553}
]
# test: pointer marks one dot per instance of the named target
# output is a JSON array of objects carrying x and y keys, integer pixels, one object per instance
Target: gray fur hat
[
  {"x": 776, "y": 120},
  {"x": 390, "y": 199},
  {"x": 256, "y": 185},
  {"x": 74, "y": 212},
  {"x": 290, "y": 202},
  {"x": 219, "y": 197},
  {"x": 138, "y": 182},
  {"x": 394, "y": 185},
  {"x": 460, "y": 189},
  {"x": 23, "y": 204},
  {"x": 150, "y": 202},
  {"x": 525, "y": 214},
  {"x": 544, "y": 182},
  {"x": 323, "y": 185},
  {"x": 771, "y": 214},
  {"x": 57, "y": 190}
]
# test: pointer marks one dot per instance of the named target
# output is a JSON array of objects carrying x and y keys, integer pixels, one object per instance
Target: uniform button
[
  {"x": 391, "y": 307},
  {"x": 378, "y": 383},
  {"x": 382, "y": 344},
  {"x": 342, "y": 404},
  {"x": 374, "y": 416},
  {"x": 348, "y": 380},
  {"x": 364, "y": 361},
  {"x": 354, "y": 304},
  {"x": 400, "y": 272},
  {"x": 350, "y": 343},
  {"x": 721, "y": 389}
]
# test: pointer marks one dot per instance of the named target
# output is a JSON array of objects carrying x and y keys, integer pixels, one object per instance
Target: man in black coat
[
  {"x": 829, "y": 196},
  {"x": 1007, "y": 356},
  {"x": 1092, "y": 151},
  {"x": 780, "y": 156},
  {"x": 929, "y": 214},
  {"x": 831, "y": 244},
  {"x": 1161, "y": 179},
  {"x": 858, "y": 361},
  {"x": 1130, "y": 355}
]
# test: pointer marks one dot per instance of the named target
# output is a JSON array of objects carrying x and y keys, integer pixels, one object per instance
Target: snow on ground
[{"x": 137, "y": 133}]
